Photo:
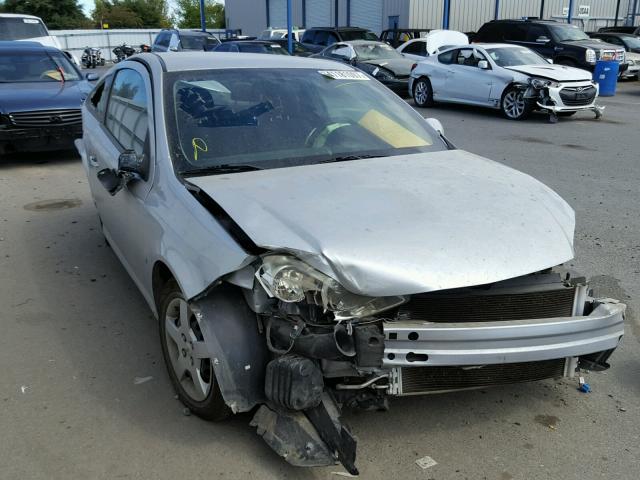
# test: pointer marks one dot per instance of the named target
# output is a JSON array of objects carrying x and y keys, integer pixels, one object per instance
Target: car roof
[
  {"x": 363, "y": 42},
  {"x": 340, "y": 29},
  {"x": 22, "y": 46},
  {"x": 18, "y": 15},
  {"x": 526, "y": 20},
  {"x": 223, "y": 60},
  {"x": 252, "y": 42}
]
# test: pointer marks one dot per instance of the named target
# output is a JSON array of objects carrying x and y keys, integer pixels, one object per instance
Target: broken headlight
[
  {"x": 540, "y": 83},
  {"x": 291, "y": 280}
]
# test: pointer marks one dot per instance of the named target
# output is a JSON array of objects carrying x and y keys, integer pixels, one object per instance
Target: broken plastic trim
[{"x": 225, "y": 220}]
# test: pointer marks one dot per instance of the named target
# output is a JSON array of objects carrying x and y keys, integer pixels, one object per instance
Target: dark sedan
[
  {"x": 41, "y": 92},
  {"x": 378, "y": 59}
]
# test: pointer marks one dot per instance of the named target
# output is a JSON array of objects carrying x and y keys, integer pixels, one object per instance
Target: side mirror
[
  {"x": 436, "y": 125},
  {"x": 483, "y": 64},
  {"x": 129, "y": 164},
  {"x": 92, "y": 77},
  {"x": 542, "y": 39}
]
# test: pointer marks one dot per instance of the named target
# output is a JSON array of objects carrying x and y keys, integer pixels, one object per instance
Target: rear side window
[
  {"x": 489, "y": 32},
  {"x": 447, "y": 57},
  {"x": 127, "y": 111},
  {"x": 321, "y": 38},
  {"x": 515, "y": 33},
  {"x": 309, "y": 36},
  {"x": 416, "y": 48}
]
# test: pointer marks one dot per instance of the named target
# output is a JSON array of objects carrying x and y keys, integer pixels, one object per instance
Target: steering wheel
[{"x": 317, "y": 138}]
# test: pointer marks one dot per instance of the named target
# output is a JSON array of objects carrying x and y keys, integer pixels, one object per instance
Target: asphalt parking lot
[{"x": 84, "y": 393}]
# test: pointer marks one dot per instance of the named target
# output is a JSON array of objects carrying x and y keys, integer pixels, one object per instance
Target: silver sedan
[
  {"x": 308, "y": 241},
  {"x": 511, "y": 78}
]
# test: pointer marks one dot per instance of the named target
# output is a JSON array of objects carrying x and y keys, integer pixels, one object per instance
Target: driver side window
[
  {"x": 468, "y": 57},
  {"x": 127, "y": 113}
]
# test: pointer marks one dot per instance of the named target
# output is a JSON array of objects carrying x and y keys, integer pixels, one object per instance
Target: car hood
[
  {"x": 16, "y": 97},
  {"x": 404, "y": 224},
  {"x": 592, "y": 43},
  {"x": 399, "y": 66},
  {"x": 559, "y": 73}
]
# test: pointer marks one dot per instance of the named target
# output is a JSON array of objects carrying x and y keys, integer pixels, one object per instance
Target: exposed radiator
[
  {"x": 417, "y": 380},
  {"x": 489, "y": 307}
]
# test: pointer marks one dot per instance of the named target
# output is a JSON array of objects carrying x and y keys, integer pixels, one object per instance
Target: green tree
[
  {"x": 132, "y": 13},
  {"x": 56, "y": 14},
  {"x": 188, "y": 13}
]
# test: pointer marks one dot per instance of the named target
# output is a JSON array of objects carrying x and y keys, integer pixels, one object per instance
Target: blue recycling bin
[{"x": 606, "y": 74}]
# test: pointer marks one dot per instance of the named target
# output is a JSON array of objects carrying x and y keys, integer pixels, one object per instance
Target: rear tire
[
  {"x": 423, "y": 93},
  {"x": 189, "y": 366},
  {"x": 514, "y": 106}
]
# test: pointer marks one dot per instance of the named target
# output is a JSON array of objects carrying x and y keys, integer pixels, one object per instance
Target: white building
[{"x": 253, "y": 16}]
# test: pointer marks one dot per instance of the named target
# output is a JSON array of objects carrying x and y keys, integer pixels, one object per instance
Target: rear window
[
  {"x": 21, "y": 28},
  {"x": 358, "y": 35},
  {"x": 198, "y": 42},
  {"x": 309, "y": 36}
]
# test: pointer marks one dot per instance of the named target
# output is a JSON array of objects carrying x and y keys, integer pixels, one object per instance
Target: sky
[{"x": 87, "y": 5}]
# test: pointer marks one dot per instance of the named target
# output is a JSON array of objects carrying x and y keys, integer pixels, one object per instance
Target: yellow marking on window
[
  {"x": 198, "y": 144},
  {"x": 390, "y": 131}
]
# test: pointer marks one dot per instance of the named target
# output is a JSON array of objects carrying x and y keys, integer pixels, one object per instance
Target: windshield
[
  {"x": 21, "y": 28},
  {"x": 273, "y": 118},
  {"x": 36, "y": 67},
  {"x": 509, "y": 57},
  {"x": 357, "y": 35},
  {"x": 375, "y": 51},
  {"x": 198, "y": 42},
  {"x": 564, "y": 33}
]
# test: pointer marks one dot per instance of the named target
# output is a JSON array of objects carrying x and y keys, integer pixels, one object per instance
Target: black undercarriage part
[
  {"x": 293, "y": 382},
  {"x": 312, "y": 438}
]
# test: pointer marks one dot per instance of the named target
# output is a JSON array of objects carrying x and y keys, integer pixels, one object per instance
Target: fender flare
[{"x": 238, "y": 349}]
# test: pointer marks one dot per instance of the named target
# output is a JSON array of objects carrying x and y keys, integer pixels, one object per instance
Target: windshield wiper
[
  {"x": 348, "y": 158},
  {"x": 220, "y": 169}
]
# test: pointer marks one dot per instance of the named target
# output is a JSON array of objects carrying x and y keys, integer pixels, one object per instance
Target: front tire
[
  {"x": 514, "y": 106},
  {"x": 423, "y": 93},
  {"x": 188, "y": 361}
]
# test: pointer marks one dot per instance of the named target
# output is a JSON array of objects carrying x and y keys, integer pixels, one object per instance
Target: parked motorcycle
[
  {"x": 122, "y": 52},
  {"x": 92, "y": 58}
]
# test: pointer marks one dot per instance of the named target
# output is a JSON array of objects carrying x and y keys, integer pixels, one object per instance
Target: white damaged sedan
[
  {"x": 308, "y": 242},
  {"x": 511, "y": 78}
]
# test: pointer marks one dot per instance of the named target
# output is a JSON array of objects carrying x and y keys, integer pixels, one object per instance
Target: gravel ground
[{"x": 79, "y": 342}]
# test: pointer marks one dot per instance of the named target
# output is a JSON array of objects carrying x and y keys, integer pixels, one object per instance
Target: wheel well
[
  {"x": 509, "y": 87},
  {"x": 160, "y": 276}
]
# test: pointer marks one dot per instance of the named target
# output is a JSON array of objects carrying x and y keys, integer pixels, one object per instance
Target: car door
[
  {"x": 127, "y": 125},
  {"x": 439, "y": 72},
  {"x": 467, "y": 82}
]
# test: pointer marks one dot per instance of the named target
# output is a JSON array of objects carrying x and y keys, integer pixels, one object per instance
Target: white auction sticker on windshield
[{"x": 343, "y": 74}]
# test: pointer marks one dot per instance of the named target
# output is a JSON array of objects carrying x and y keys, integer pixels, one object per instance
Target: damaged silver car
[{"x": 308, "y": 243}]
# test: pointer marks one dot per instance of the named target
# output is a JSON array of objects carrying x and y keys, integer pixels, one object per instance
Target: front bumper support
[{"x": 419, "y": 343}]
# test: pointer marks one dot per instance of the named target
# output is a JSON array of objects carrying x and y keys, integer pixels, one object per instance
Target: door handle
[{"x": 93, "y": 161}]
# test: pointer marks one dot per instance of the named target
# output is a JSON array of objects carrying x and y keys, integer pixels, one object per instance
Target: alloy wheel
[
  {"x": 514, "y": 104},
  {"x": 421, "y": 94},
  {"x": 190, "y": 358}
]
